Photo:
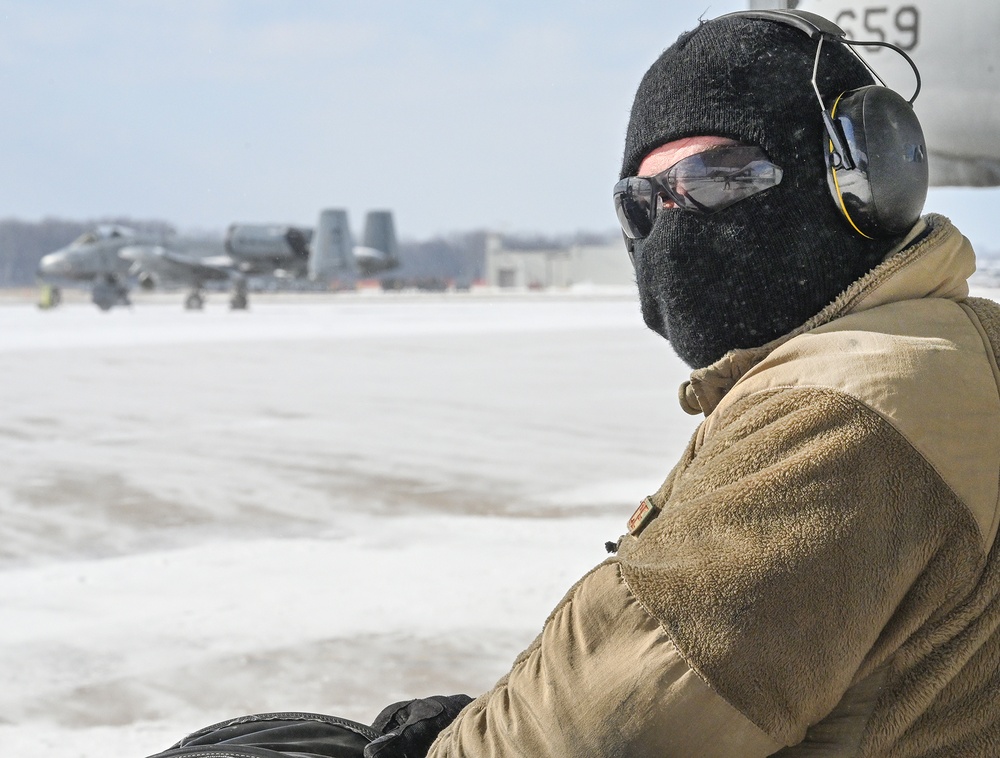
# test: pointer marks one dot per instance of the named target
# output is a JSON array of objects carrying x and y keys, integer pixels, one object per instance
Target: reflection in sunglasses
[{"x": 702, "y": 183}]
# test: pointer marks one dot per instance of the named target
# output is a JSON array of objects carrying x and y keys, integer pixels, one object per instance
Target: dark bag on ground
[{"x": 276, "y": 735}]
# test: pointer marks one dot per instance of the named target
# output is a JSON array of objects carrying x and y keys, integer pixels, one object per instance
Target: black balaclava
[{"x": 748, "y": 274}]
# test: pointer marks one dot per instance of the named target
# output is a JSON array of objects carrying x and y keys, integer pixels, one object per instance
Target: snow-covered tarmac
[{"x": 325, "y": 504}]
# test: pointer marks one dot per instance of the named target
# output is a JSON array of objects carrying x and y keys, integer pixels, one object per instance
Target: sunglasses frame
[{"x": 663, "y": 184}]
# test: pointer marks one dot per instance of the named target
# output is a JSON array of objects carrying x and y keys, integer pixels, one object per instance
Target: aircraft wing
[
  {"x": 163, "y": 263},
  {"x": 216, "y": 267}
]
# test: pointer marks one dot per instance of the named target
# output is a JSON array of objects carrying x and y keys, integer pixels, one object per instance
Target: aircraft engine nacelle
[{"x": 267, "y": 242}]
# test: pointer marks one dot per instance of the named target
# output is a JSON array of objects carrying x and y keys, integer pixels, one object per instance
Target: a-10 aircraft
[
  {"x": 110, "y": 260},
  {"x": 954, "y": 45}
]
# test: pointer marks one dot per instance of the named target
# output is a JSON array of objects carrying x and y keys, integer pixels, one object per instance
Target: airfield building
[{"x": 570, "y": 267}]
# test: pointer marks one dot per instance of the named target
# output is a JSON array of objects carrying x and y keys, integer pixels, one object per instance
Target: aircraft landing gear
[
  {"x": 49, "y": 297},
  {"x": 195, "y": 301},
  {"x": 108, "y": 291},
  {"x": 239, "y": 300}
]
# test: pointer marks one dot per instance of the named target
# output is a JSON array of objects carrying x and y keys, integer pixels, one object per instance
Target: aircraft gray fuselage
[
  {"x": 110, "y": 259},
  {"x": 103, "y": 253},
  {"x": 954, "y": 45},
  {"x": 90, "y": 256}
]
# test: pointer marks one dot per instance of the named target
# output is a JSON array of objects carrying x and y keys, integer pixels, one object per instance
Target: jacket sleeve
[
  {"x": 602, "y": 679},
  {"x": 796, "y": 550}
]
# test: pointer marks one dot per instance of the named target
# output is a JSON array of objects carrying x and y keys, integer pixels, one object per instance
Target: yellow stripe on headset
[{"x": 836, "y": 184}]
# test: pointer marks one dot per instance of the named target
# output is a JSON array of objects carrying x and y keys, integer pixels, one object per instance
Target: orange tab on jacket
[{"x": 645, "y": 513}]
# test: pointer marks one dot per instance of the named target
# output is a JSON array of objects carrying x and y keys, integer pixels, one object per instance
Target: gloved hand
[{"x": 408, "y": 728}]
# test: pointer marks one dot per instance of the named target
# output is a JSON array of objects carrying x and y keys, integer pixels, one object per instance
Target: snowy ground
[{"x": 325, "y": 504}]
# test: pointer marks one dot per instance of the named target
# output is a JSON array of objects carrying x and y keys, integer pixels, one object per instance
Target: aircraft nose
[{"x": 53, "y": 264}]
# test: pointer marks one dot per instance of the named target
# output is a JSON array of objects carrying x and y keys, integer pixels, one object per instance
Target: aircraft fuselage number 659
[{"x": 900, "y": 26}]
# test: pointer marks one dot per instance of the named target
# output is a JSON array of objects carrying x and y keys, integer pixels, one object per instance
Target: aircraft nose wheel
[
  {"x": 194, "y": 301},
  {"x": 239, "y": 301}
]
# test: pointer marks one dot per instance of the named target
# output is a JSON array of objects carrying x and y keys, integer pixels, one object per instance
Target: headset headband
[
  {"x": 819, "y": 28},
  {"x": 883, "y": 138},
  {"x": 811, "y": 23}
]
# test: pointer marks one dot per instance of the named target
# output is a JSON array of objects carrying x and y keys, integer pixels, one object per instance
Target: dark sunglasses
[{"x": 702, "y": 183}]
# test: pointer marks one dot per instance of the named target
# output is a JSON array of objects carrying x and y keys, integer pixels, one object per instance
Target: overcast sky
[{"x": 456, "y": 115}]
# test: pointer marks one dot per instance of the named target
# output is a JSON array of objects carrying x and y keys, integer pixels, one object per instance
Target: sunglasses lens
[
  {"x": 634, "y": 200},
  {"x": 718, "y": 178},
  {"x": 703, "y": 183}
]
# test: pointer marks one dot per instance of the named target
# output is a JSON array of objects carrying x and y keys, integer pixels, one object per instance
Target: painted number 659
[{"x": 901, "y": 28}]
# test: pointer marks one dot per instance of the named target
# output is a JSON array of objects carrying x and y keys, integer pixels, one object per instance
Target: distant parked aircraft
[
  {"x": 111, "y": 259},
  {"x": 92, "y": 259}
]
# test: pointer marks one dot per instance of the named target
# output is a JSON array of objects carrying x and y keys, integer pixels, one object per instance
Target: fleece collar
[{"x": 938, "y": 264}]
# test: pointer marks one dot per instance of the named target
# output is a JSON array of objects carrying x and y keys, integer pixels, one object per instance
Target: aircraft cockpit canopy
[{"x": 103, "y": 232}]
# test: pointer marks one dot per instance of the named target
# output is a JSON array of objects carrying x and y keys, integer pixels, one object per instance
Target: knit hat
[{"x": 752, "y": 272}]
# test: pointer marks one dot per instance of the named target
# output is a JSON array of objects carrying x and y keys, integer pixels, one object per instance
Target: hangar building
[{"x": 558, "y": 268}]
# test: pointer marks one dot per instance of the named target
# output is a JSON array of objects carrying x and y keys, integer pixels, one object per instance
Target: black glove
[{"x": 408, "y": 728}]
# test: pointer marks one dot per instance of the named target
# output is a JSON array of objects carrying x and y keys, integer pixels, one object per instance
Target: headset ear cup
[{"x": 884, "y": 191}]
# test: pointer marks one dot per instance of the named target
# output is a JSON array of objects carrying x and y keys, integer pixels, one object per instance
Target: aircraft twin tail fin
[
  {"x": 331, "y": 250},
  {"x": 379, "y": 250},
  {"x": 333, "y": 254},
  {"x": 380, "y": 234}
]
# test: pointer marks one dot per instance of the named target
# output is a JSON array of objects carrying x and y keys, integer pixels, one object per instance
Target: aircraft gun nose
[{"x": 53, "y": 264}]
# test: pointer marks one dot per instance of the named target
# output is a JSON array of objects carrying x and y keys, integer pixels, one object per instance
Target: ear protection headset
[{"x": 873, "y": 146}]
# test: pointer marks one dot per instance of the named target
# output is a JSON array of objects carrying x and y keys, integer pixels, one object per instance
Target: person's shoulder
[
  {"x": 985, "y": 314},
  {"x": 910, "y": 346},
  {"x": 924, "y": 368}
]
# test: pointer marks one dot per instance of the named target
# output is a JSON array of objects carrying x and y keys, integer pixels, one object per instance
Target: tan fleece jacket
[{"x": 819, "y": 577}]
